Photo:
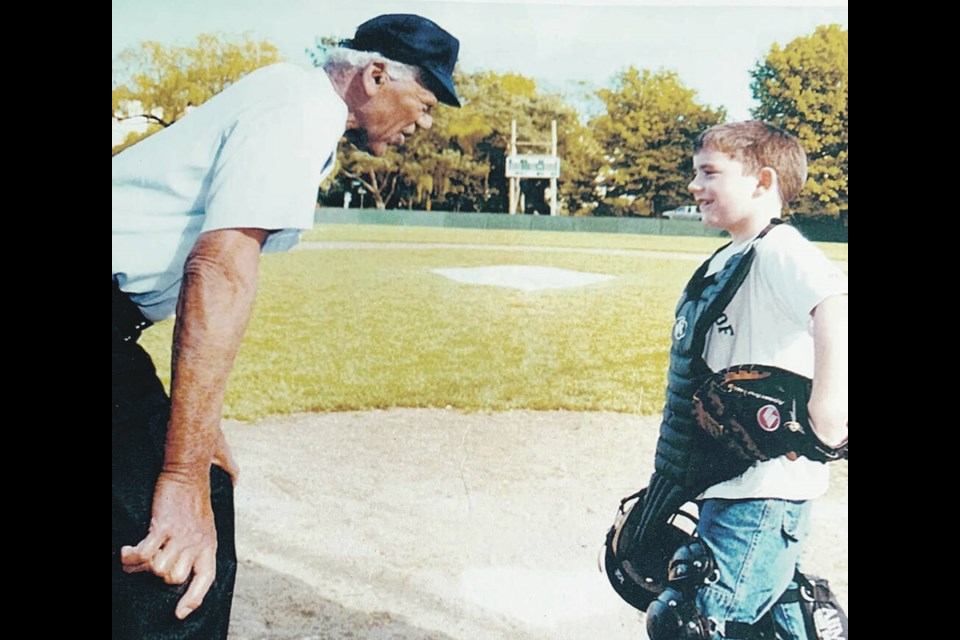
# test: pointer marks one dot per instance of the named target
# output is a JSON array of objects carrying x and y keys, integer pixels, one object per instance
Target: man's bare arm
[
  {"x": 829, "y": 398},
  {"x": 216, "y": 298}
]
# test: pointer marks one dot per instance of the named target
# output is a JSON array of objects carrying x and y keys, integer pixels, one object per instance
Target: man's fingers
[
  {"x": 143, "y": 552},
  {"x": 136, "y": 568},
  {"x": 204, "y": 572},
  {"x": 173, "y": 564},
  {"x": 181, "y": 569}
]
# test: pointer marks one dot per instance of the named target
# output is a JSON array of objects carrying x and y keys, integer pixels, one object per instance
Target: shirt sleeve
[
  {"x": 267, "y": 171},
  {"x": 799, "y": 273}
]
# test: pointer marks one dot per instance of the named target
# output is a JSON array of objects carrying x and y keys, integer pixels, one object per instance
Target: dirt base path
[{"x": 415, "y": 524}]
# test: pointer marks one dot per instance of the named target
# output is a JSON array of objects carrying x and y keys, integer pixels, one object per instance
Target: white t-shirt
[
  {"x": 253, "y": 156},
  {"x": 768, "y": 321}
]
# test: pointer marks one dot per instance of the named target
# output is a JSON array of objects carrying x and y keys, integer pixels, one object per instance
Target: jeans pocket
[{"x": 795, "y": 521}]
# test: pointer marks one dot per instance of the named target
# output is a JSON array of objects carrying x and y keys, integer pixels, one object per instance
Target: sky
[{"x": 711, "y": 45}]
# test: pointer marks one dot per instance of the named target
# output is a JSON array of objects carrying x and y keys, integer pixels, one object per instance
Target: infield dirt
[{"x": 429, "y": 523}]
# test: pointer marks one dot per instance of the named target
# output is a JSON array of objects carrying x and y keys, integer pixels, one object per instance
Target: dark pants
[{"x": 143, "y": 604}]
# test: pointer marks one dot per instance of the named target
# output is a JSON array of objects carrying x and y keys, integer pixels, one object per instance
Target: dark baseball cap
[{"x": 417, "y": 41}]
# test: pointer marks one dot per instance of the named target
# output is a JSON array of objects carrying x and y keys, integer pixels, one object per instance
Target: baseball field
[{"x": 435, "y": 426}]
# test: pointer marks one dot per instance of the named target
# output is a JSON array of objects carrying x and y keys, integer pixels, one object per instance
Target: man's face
[
  {"x": 724, "y": 192},
  {"x": 393, "y": 114}
]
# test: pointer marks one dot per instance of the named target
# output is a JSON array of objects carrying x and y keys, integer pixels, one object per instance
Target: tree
[
  {"x": 159, "y": 83},
  {"x": 428, "y": 171},
  {"x": 580, "y": 173},
  {"x": 647, "y": 134},
  {"x": 483, "y": 129},
  {"x": 802, "y": 88},
  {"x": 458, "y": 164}
]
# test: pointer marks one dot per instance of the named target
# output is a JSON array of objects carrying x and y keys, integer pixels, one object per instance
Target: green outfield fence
[{"x": 820, "y": 232}]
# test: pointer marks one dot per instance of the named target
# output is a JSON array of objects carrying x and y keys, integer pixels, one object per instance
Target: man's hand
[{"x": 182, "y": 539}]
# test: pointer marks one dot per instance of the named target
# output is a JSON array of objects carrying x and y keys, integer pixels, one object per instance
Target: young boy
[{"x": 789, "y": 312}]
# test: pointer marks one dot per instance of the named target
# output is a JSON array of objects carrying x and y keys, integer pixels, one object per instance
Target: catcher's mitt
[{"x": 759, "y": 412}]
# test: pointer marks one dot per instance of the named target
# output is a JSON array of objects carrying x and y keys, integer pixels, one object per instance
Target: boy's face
[{"x": 725, "y": 195}]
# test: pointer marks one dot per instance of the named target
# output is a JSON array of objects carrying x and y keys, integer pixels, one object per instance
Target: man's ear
[{"x": 373, "y": 76}]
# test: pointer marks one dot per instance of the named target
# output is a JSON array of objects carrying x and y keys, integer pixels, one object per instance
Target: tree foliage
[
  {"x": 647, "y": 135},
  {"x": 429, "y": 170},
  {"x": 159, "y": 83},
  {"x": 458, "y": 164},
  {"x": 634, "y": 159},
  {"x": 483, "y": 128},
  {"x": 802, "y": 88}
]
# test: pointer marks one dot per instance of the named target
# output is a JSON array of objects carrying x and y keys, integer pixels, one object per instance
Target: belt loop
[{"x": 128, "y": 321}]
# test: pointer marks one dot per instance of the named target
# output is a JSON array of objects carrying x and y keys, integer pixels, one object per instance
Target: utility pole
[
  {"x": 514, "y": 181},
  {"x": 553, "y": 179}
]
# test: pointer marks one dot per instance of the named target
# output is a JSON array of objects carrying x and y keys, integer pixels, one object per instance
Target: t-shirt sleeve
[
  {"x": 799, "y": 273},
  {"x": 268, "y": 170}
]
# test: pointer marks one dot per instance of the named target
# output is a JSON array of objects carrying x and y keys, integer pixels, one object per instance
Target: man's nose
[
  {"x": 694, "y": 186},
  {"x": 425, "y": 121}
]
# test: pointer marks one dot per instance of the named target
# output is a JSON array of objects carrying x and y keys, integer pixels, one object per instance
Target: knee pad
[
  {"x": 691, "y": 567},
  {"x": 674, "y": 616},
  {"x": 823, "y": 616}
]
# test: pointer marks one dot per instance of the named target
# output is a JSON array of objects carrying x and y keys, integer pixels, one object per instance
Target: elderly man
[{"x": 193, "y": 208}]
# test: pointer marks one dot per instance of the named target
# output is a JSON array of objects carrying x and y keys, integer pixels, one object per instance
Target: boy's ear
[{"x": 767, "y": 179}]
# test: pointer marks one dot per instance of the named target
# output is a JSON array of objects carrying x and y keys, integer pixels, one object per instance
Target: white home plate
[
  {"x": 540, "y": 597},
  {"x": 523, "y": 277}
]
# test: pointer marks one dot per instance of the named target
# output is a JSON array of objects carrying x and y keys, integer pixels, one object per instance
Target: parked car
[{"x": 686, "y": 212}]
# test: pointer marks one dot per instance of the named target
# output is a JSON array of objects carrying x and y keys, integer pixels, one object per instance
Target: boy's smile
[{"x": 726, "y": 195}]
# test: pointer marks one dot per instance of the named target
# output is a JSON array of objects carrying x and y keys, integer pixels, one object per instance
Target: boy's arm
[{"x": 829, "y": 399}]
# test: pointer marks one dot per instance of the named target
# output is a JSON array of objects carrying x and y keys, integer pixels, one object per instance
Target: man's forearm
[{"x": 216, "y": 298}]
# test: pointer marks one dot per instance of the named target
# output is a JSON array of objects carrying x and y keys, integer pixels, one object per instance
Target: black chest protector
[
  {"x": 687, "y": 460},
  {"x": 684, "y": 453}
]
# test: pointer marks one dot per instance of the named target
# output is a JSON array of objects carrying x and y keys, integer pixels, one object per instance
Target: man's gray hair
[{"x": 340, "y": 60}]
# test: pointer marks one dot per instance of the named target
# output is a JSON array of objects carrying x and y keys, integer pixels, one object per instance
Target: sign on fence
[{"x": 533, "y": 166}]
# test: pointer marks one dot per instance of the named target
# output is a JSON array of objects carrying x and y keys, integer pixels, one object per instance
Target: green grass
[
  {"x": 390, "y": 233},
  {"x": 355, "y": 329}
]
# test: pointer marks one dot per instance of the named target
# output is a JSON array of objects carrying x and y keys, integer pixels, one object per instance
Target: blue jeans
[{"x": 757, "y": 546}]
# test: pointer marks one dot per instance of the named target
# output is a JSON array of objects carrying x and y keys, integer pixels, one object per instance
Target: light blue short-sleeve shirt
[{"x": 252, "y": 156}]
